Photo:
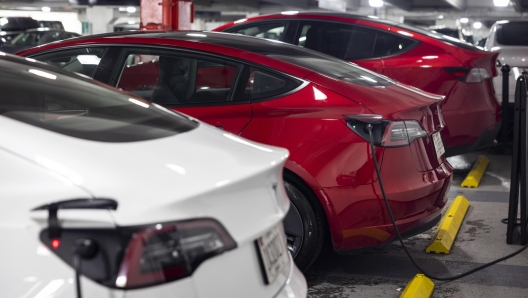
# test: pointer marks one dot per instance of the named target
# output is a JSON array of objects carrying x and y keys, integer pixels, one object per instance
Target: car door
[
  {"x": 198, "y": 85},
  {"x": 344, "y": 41}
]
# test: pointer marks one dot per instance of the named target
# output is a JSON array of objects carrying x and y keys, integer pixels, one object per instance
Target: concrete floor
[{"x": 385, "y": 271}]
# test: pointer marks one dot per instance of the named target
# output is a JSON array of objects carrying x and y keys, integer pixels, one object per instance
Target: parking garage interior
[{"x": 249, "y": 148}]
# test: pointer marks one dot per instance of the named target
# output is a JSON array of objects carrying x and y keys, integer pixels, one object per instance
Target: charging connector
[{"x": 389, "y": 211}]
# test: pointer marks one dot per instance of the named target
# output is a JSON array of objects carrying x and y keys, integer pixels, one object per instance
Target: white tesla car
[
  {"x": 104, "y": 195},
  {"x": 510, "y": 38}
]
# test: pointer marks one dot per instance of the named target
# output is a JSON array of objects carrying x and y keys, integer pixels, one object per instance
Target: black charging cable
[
  {"x": 83, "y": 249},
  {"x": 441, "y": 278},
  {"x": 77, "y": 266}
]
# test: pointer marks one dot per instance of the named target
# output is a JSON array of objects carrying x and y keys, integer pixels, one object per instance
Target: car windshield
[
  {"x": 512, "y": 34},
  {"x": 79, "y": 108},
  {"x": 337, "y": 69}
]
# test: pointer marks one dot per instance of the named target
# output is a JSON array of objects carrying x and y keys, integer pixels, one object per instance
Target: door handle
[{"x": 220, "y": 127}]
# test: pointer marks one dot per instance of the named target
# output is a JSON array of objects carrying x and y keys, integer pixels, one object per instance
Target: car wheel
[{"x": 303, "y": 227}]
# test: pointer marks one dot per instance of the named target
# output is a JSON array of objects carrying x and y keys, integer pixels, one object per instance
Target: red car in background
[
  {"x": 316, "y": 106},
  {"x": 430, "y": 61}
]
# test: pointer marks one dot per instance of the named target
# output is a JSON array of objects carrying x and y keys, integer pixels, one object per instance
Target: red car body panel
[
  {"x": 470, "y": 111},
  {"x": 334, "y": 161}
]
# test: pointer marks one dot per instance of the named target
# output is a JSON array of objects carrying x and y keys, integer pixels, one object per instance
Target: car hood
[
  {"x": 201, "y": 173},
  {"x": 514, "y": 56}
]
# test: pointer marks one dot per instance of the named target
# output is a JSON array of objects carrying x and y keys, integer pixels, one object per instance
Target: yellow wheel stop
[
  {"x": 476, "y": 173},
  {"x": 419, "y": 287},
  {"x": 449, "y": 226}
]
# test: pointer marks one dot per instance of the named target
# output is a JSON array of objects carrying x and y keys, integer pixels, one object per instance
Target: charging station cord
[
  {"x": 77, "y": 265},
  {"x": 443, "y": 278}
]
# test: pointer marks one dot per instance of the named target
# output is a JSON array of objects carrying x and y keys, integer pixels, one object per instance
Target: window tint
[
  {"x": 169, "y": 78},
  {"x": 389, "y": 44},
  {"x": 261, "y": 84},
  {"x": 337, "y": 69},
  {"x": 339, "y": 40},
  {"x": 81, "y": 108},
  {"x": 513, "y": 34},
  {"x": 83, "y": 61},
  {"x": 270, "y": 31}
]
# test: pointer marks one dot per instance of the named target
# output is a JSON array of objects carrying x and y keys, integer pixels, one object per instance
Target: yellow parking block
[
  {"x": 419, "y": 287},
  {"x": 449, "y": 226},
  {"x": 476, "y": 173}
]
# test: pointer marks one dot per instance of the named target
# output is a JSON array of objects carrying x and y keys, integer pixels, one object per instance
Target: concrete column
[{"x": 101, "y": 18}]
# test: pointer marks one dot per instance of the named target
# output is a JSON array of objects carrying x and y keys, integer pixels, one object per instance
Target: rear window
[
  {"x": 82, "y": 109},
  {"x": 445, "y": 38},
  {"x": 513, "y": 34},
  {"x": 337, "y": 69}
]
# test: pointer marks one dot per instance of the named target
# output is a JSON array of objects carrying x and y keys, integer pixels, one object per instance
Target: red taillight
[
  {"x": 142, "y": 256},
  {"x": 386, "y": 133},
  {"x": 170, "y": 252},
  {"x": 469, "y": 75}
]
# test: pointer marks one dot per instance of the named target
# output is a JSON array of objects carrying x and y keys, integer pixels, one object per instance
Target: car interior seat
[
  {"x": 314, "y": 40},
  {"x": 173, "y": 85}
]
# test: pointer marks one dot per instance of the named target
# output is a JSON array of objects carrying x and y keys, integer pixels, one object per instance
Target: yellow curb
[
  {"x": 419, "y": 287},
  {"x": 449, "y": 226},
  {"x": 476, "y": 173}
]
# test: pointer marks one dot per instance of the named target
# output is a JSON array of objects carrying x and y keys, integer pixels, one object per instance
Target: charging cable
[
  {"x": 77, "y": 266},
  {"x": 441, "y": 278},
  {"x": 83, "y": 249}
]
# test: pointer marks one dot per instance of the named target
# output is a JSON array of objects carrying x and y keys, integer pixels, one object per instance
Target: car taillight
[
  {"x": 170, "y": 252},
  {"x": 386, "y": 133},
  {"x": 469, "y": 75},
  {"x": 142, "y": 256}
]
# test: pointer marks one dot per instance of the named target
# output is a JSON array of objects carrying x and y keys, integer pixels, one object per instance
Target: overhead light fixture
[
  {"x": 131, "y": 9},
  {"x": 440, "y": 17},
  {"x": 501, "y": 3},
  {"x": 375, "y": 3},
  {"x": 46, "y": 9},
  {"x": 122, "y": 9},
  {"x": 477, "y": 25},
  {"x": 464, "y": 20},
  {"x": 290, "y": 12}
]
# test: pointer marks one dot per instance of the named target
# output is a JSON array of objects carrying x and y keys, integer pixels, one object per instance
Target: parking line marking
[
  {"x": 449, "y": 226},
  {"x": 477, "y": 171},
  {"x": 419, "y": 287}
]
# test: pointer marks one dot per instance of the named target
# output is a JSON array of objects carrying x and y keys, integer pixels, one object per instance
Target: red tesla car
[
  {"x": 315, "y": 105},
  {"x": 430, "y": 61}
]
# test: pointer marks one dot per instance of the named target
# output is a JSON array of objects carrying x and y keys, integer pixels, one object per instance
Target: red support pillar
[{"x": 166, "y": 14}]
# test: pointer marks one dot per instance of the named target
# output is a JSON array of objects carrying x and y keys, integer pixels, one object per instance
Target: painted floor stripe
[
  {"x": 477, "y": 171},
  {"x": 449, "y": 226},
  {"x": 419, "y": 287}
]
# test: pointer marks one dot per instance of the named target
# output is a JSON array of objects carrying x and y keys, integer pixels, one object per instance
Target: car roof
[
  {"x": 372, "y": 19},
  {"x": 238, "y": 41}
]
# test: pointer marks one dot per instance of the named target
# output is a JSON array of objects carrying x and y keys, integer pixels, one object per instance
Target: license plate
[
  {"x": 273, "y": 253},
  {"x": 438, "y": 144}
]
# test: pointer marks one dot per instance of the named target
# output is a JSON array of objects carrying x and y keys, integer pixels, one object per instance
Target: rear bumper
[
  {"x": 484, "y": 141},
  {"x": 295, "y": 286},
  {"x": 359, "y": 217}
]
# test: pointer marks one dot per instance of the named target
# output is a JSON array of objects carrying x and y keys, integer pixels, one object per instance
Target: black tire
[{"x": 304, "y": 224}]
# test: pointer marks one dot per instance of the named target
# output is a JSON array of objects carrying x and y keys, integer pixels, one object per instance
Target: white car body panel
[
  {"x": 201, "y": 173},
  {"x": 515, "y": 56}
]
